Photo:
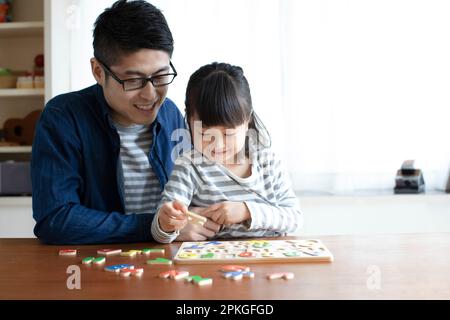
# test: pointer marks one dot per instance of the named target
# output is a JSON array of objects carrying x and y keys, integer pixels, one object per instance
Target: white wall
[{"x": 376, "y": 214}]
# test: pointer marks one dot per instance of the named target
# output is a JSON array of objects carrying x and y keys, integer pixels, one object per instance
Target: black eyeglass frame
[{"x": 144, "y": 80}]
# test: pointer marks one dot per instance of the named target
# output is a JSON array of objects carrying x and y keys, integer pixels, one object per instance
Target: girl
[{"x": 231, "y": 173}]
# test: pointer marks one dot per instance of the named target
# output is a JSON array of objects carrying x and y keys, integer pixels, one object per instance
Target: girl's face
[{"x": 218, "y": 143}]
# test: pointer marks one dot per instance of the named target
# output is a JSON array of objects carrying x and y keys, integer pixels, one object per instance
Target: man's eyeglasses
[{"x": 159, "y": 80}]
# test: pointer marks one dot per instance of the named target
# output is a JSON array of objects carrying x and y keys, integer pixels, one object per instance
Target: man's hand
[
  {"x": 172, "y": 216},
  {"x": 227, "y": 212},
  {"x": 196, "y": 232}
]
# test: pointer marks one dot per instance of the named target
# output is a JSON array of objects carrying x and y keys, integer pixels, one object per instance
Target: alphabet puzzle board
[{"x": 253, "y": 251}]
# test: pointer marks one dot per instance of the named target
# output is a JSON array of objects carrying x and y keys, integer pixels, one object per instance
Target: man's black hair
[{"x": 128, "y": 26}]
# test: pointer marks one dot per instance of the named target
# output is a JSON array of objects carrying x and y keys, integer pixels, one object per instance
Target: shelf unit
[
  {"x": 20, "y": 41},
  {"x": 15, "y": 93},
  {"x": 21, "y": 29},
  {"x": 15, "y": 149}
]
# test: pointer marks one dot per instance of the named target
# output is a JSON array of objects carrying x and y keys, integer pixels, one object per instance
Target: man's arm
[{"x": 57, "y": 186}]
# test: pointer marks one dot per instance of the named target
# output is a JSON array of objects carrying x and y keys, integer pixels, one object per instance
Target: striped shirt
[
  {"x": 199, "y": 182},
  {"x": 141, "y": 187}
]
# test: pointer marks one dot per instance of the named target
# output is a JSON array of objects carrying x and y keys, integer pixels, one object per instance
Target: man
[{"x": 101, "y": 156}]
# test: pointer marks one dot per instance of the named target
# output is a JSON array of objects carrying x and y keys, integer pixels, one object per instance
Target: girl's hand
[
  {"x": 172, "y": 216},
  {"x": 227, "y": 212},
  {"x": 196, "y": 232}
]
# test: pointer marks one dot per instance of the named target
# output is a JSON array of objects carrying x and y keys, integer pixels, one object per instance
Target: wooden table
[{"x": 403, "y": 266}]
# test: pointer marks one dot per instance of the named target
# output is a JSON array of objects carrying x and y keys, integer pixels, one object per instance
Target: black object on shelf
[
  {"x": 409, "y": 179},
  {"x": 447, "y": 187}
]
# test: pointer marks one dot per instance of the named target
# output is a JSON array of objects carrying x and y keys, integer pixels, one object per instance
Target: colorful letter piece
[
  {"x": 260, "y": 244},
  {"x": 126, "y": 272},
  {"x": 87, "y": 260},
  {"x": 247, "y": 254},
  {"x": 109, "y": 252},
  {"x": 67, "y": 252},
  {"x": 188, "y": 255},
  {"x": 194, "y": 247},
  {"x": 174, "y": 274},
  {"x": 99, "y": 260},
  {"x": 130, "y": 253},
  {"x": 291, "y": 254},
  {"x": 214, "y": 243},
  {"x": 155, "y": 250},
  {"x": 230, "y": 268},
  {"x": 196, "y": 218},
  {"x": 93, "y": 260},
  {"x": 280, "y": 275},
  {"x": 238, "y": 275},
  {"x": 118, "y": 267},
  {"x": 160, "y": 261},
  {"x": 200, "y": 281},
  {"x": 235, "y": 275}
]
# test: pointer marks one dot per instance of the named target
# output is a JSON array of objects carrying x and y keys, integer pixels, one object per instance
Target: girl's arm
[
  {"x": 284, "y": 216},
  {"x": 181, "y": 187}
]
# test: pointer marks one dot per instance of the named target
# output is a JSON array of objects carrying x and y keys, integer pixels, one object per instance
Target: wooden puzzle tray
[{"x": 253, "y": 251}]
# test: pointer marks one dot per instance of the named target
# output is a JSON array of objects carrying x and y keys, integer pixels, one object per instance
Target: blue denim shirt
[{"x": 77, "y": 192}]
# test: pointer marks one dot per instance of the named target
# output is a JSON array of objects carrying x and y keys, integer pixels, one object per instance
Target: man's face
[{"x": 139, "y": 106}]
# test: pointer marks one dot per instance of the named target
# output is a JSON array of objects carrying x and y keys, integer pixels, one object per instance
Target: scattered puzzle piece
[
  {"x": 99, "y": 260},
  {"x": 196, "y": 218},
  {"x": 160, "y": 261},
  {"x": 200, "y": 281},
  {"x": 67, "y": 252},
  {"x": 280, "y": 275},
  {"x": 93, "y": 260},
  {"x": 174, "y": 274},
  {"x": 109, "y": 252},
  {"x": 230, "y": 268},
  {"x": 130, "y": 253},
  {"x": 116, "y": 268},
  {"x": 238, "y": 275},
  {"x": 87, "y": 260},
  {"x": 126, "y": 272},
  {"x": 149, "y": 251},
  {"x": 235, "y": 275}
]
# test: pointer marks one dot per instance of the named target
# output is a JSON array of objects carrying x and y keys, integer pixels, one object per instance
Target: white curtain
[{"x": 349, "y": 89}]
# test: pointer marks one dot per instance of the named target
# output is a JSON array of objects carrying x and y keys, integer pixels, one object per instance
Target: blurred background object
[
  {"x": 5, "y": 11},
  {"x": 409, "y": 179}
]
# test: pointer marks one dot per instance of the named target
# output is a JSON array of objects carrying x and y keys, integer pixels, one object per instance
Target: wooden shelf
[
  {"x": 21, "y": 29},
  {"x": 16, "y": 149},
  {"x": 22, "y": 93}
]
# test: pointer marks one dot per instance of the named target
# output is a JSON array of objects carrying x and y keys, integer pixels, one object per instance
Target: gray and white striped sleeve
[
  {"x": 285, "y": 216},
  {"x": 180, "y": 187}
]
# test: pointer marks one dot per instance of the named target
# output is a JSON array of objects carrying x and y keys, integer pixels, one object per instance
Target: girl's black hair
[
  {"x": 219, "y": 95},
  {"x": 127, "y": 27}
]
